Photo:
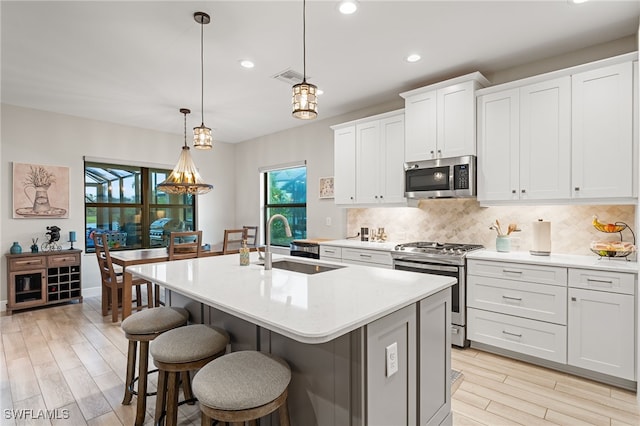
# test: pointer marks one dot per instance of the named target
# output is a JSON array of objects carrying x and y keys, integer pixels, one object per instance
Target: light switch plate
[{"x": 391, "y": 353}]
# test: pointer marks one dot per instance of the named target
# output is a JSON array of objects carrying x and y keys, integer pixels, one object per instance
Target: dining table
[{"x": 126, "y": 258}]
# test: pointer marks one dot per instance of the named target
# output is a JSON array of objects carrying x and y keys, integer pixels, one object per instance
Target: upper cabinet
[
  {"x": 563, "y": 136},
  {"x": 369, "y": 159},
  {"x": 525, "y": 142},
  {"x": 440, "y": 118},
  {"x": 602, "y": 129}
]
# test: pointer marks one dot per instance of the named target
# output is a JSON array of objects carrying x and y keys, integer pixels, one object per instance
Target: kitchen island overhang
[{"x": 335, "y": 329}]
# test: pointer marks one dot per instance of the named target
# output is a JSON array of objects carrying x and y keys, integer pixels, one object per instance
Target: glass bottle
[{"x": 244, "y": 254}]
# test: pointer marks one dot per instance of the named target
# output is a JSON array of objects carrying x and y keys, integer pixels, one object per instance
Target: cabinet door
[
  {"x": 498, "y": 146},
  {"x": 456, "y": 120},
  {"x": 344, "y": 150},
  {"x": 545, "y": 140},
  {"x": 602, "y": 144},
  {"x": 420, "y": 127},
  {"x": 601, "y": 332},
  {"x": 392, "y": 156},
  {"x": 367, "y": 162}
]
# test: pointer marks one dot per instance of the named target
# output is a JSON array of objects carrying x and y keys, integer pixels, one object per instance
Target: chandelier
[{"x": 184, "y": 179}]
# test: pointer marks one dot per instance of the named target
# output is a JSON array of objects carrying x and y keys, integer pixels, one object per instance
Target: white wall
[
  {"x": 32, "y": 136},
  {"x": 312, "y": 142}
]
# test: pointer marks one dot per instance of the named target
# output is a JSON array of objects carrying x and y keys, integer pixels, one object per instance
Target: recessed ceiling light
[
  {"x": 247, "y": 63},
  {"x": 414, "y": 57},
  {"x": 578, "y": 1},
  {"x": 347, "y": 7}
]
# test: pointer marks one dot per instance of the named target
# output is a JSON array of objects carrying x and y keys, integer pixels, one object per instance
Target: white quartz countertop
[
  {"x": 307, "y": 308},
  {"x": 564, "y": 260},
  {"x": 357, "y": 244}
]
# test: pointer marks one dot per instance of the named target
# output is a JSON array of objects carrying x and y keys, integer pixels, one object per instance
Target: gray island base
[{"x": 387, "y": 363}]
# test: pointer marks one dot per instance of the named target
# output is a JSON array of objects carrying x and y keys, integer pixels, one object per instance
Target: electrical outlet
[
  {"x": 391, "y": 353},
  {"x": 327, "y": 221}
]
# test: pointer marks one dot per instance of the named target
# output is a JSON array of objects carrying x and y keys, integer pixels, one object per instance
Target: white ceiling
[{"x": 137, "y": 63}]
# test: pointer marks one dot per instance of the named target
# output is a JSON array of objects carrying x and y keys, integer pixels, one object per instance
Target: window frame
[
  {"x": 143, "y": 200},
  {"x": 266, "y": 205}
]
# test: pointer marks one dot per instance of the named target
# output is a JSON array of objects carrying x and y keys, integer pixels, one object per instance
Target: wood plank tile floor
[
  {"x": 70, "y": 360},
  {"x": 497, "y": 391}
]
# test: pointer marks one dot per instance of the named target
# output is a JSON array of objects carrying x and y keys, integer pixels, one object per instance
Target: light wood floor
[{"x": 70, "y": 358}]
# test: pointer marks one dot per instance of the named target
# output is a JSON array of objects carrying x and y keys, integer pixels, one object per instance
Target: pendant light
[
  {"x": 202, "y": 138},
  {"x": 184, "y": 179},
  {"x": 305, "y": 100}
]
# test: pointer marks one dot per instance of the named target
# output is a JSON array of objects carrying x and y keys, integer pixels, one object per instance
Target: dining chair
[
  {"x": 112, "y": 282},
  {"x": 184, "y": 244},
  {"x": 233, "y": 240},
  {"x": 252, "y": 235}
]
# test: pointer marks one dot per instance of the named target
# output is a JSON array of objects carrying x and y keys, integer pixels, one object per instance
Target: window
[
  {"x": 286, "y": 194},
  {"x": 122, "y": 201}
]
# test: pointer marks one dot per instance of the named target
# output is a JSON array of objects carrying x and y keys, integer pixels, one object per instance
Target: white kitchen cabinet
[
  {"x": 357, "y": 256},
  {"x": 369, "y": 158},
  {"x": 524, "y": 140},
  {"x": 602, "y": 120},
  {"x": 563, "y": 136},
  {"x": 440, "y": 118},
  {"x": 601, "y": 322},
  {"x": 344, "y": 172},
  {"x": 518, "y": 307}
]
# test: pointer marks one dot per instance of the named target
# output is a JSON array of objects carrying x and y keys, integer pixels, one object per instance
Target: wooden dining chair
[
  {"x": 252, "y": 235},
  {"x": 112, "y": 282},
  {"x": 185, "y": 244},
  {"x": 233, "y": 240}
]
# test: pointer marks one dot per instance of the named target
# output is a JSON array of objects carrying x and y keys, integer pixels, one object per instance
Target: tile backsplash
[{"x": 465, "y": 221}]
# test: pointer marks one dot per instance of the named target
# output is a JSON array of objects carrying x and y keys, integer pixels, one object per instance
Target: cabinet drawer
[
  {"x": 535, "y": 338},
  {"x": 613, "y": 282},
  {"x": 23, "y": 263},
  {"x": 330, "y": 252},
  {"x": 369, "y": 256},
  {"x": 552, "y": 275},
  {"x": 529, "y": 300},
  {"x": 63, "y": 260}
]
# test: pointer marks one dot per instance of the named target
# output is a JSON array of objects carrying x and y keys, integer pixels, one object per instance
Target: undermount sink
[{"x": 302, "y": 267}]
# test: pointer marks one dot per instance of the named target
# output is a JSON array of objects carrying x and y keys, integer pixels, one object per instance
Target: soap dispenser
[{"x": 244, "y": 254}]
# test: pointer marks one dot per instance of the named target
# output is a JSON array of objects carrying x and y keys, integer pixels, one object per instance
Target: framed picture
[
  {"x": 40, "y": 191},
  {"x": 326, "y": 187}
]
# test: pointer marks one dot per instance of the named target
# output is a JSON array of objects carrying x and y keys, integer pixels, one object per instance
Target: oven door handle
[{"x": 426, "y": 266}]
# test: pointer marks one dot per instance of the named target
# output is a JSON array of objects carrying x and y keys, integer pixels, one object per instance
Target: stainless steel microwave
[{"x": 453, "y": 177}]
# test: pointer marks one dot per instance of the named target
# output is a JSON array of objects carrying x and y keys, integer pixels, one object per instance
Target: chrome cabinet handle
[
  {"x": 573, "y": 299},
  {"x": 511, "y": 271},
  {"x": 365, "y": 255},
  {"x": 381, "y": 196},
  {"x": 511, "y": 334},
  {"x": 523, "y": 191},
  {"x": 512, "y": 298},
  {"x": 577, "y": 188},
  {"x": 513, "y": 191}
]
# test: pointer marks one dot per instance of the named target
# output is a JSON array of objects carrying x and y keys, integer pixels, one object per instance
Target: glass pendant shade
[
  {"x": 202, "y": 138},
  {"x": 185, "y": 179},
  {"x": 305, "y": 104}
]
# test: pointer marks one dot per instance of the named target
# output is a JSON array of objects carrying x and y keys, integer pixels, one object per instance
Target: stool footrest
[{"x": 135, "y": 392}]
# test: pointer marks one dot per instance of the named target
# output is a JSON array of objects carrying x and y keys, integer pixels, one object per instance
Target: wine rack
[{"x": 43, "y": 278}]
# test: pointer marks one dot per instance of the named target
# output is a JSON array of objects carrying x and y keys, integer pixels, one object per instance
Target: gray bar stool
[
  {"x": 243, "y": 386},
  {"x": 177, "y": 352},
  {"x": 143, "y": 327}
]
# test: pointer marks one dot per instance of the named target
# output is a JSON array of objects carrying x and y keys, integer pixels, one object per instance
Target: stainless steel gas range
[{"x": 441, "y": 259}]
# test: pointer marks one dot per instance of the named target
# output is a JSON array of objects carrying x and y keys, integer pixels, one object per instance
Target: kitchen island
[{"x": 336, "y": 328}]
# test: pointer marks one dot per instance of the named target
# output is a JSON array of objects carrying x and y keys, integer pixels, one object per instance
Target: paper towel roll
[{"x": 541, "y": 245}]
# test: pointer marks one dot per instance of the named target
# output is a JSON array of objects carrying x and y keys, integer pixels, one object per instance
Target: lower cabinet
[
  {"x": 582, "y": 318},
  {"x": 377, "y": 258},
  {"x": 601, "y": 324}
]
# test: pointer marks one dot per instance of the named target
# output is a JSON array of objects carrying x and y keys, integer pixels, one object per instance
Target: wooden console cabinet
[{"x": 37, "y": 279}]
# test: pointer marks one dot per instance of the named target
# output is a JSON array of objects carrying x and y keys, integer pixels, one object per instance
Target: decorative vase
[
  {"x": 503, "y": 243},
  {"x": 15, "y": 248},
  {"x": 34, "y": 248}
]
